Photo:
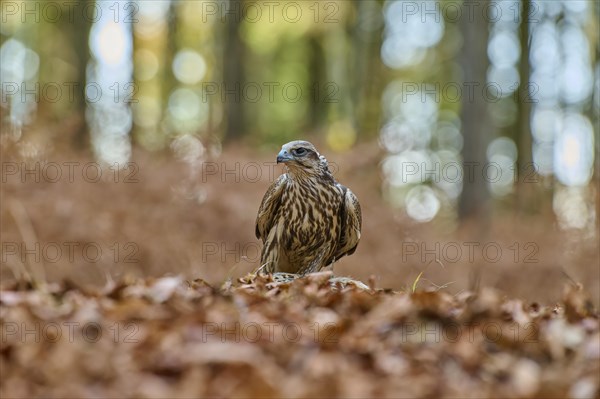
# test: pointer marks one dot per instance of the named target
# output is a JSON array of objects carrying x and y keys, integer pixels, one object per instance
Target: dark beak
[{"x": 283, "y": 156}]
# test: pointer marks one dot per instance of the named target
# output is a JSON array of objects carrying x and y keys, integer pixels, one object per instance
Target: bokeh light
[{"x": 189, "y": 67}]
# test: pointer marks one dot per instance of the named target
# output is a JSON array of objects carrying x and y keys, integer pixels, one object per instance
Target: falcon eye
[{"x": 300, "y": 151}]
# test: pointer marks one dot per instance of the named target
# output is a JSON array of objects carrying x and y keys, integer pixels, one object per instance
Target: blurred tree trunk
[
  {"x": 233, "y": 74},
  {"x": 360, "y": 60},
  {"x": 526, "y": 171},
  {"x": 367, "y": 87},
  {"x": 474, "y": 200},
  {"x": 339, "y": 103},
  {"x": 317, "y": 77},
  {"x": 79, "y": 34},
  {"x": 169, "y": 83}
]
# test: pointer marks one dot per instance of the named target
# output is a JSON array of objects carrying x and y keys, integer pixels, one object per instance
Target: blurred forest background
[{"x": 404, "y": 97}]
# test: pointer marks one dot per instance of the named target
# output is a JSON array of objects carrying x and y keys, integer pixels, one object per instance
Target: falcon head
[{"x": 302, "y": 158}]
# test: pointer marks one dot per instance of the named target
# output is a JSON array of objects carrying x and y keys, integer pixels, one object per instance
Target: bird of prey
[{"x": 306, "y": 220}]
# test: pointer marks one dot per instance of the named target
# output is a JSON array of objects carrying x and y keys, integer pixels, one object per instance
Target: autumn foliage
[{"x": 255, "y": 337}]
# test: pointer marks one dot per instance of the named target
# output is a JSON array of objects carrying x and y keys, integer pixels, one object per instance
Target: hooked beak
[{"x": 283, "y": 156}]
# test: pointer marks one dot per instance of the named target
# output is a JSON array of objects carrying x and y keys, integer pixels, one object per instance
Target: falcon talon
[
  {"x": 346, "y": 281},
  {"x": 284, "y": 277},
  {"x": 307, "y": 220}
]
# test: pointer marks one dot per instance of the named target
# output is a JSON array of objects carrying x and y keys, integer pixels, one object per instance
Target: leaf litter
[{"x": 315, "y": 336}]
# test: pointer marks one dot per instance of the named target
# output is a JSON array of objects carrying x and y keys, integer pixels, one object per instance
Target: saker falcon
[{"x": 306, "y": 220}]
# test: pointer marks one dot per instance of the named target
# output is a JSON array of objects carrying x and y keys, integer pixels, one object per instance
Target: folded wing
[
  {"x": 268, "y": 208},
  {"x": 351, "y": 221}
]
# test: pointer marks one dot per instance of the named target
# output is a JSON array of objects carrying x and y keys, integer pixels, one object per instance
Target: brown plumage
[{"x": 306, "y": 219}]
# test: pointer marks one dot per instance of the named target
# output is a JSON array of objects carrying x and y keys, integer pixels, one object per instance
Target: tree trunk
[
  {"x": 474, "y": 200},
  {"x": 318, "y": 82},
  {"x": 525, "y": 194},
  {"x": 79, "y": 34},
  {"x": 233, "y": 74}
]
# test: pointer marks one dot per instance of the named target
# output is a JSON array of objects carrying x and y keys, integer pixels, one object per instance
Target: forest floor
[
  {"x": 162, "y": 214},
  {"x": 255, "y": 338},
  {"x": 132, "y": 284}
]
